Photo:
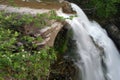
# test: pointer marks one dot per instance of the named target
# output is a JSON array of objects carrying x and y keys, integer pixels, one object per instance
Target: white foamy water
[{"x": 93, "y": 47}]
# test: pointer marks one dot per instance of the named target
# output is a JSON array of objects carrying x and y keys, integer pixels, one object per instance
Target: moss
[{"x": 61, "y": 42}]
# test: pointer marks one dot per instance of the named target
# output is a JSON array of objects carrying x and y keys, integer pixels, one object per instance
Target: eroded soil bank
[{"x": 33, "y": 4}]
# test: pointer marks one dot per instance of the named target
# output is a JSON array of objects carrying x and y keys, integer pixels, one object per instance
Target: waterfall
[{"x": 97, "y": 56}]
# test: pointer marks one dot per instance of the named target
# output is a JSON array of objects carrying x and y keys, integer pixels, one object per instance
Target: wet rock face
[
  {"x": 114, "y": 33},
  {"x": 116, "y": 21}
]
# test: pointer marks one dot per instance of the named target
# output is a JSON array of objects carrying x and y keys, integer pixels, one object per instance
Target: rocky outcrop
[
  {"x": 48, "y": 33},
  {"x": 66, "y": 7}
]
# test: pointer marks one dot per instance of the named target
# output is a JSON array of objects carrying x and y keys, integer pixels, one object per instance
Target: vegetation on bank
[
  {"x": 105, "y": 8},
  {"x": 20, "y": 58},
  {"x": 100, "y": 8}
]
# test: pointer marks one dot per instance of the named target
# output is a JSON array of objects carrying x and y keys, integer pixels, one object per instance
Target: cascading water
[{"x": 98, "y": 58}]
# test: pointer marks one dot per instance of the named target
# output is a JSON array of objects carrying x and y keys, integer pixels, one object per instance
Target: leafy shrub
[
  {"x": 104, "y": 8},
  {"x": 19, "y": 57}
]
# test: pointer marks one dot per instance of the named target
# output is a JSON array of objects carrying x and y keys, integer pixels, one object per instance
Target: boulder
[{"x": 66, "y": 7}]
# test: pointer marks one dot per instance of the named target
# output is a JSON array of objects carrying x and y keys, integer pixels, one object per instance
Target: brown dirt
[{"x": 37, "y": 5}]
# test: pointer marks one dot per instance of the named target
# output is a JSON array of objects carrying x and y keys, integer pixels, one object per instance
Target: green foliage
[
  {"x": 13, "y": 19},
  {"x": 54, "y": 16},
  {"x": 40, "y": 20},
  {"x": 61, "y": 42},
  {"x": 104, "y": 8},
  {"x": 20, "y": 58}
]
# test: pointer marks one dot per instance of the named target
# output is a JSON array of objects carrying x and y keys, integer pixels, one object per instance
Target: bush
[
  {"x": 19, "y": 57},
  {"x": 104, "y": 8}
]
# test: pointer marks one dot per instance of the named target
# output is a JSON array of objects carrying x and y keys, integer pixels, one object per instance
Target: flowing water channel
[{"x": 97, "y": 56}]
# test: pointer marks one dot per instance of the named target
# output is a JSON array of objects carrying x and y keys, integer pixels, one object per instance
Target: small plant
[{"x": 54, "y": 16}]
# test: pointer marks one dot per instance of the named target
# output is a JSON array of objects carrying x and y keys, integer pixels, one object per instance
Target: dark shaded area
[
  {"x": 64, "y": 67},
  {"x": 114, "y": 33}
]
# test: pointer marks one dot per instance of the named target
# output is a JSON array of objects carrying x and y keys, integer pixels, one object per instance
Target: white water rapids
[{"x": 98, "y": 58}]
